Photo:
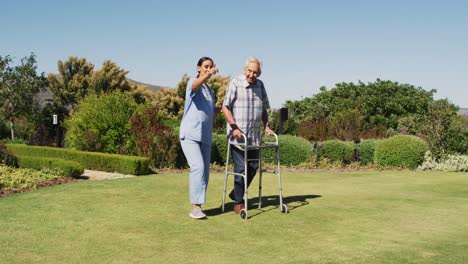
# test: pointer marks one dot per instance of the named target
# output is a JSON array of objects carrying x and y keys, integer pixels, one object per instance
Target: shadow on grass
[{"x": 268, "y": 203}]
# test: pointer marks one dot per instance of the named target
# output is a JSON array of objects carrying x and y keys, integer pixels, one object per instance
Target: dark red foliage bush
[
  {"x": 155, "y": 140},
  {"x": 316, "y": 130}
]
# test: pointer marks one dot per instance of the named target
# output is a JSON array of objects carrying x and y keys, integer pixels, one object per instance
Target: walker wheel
[
  {"x": 284, "y": 209},
  {"x": 243, "y": 214}
]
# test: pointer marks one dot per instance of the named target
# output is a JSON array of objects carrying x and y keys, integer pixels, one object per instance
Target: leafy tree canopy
[
  {"x": 18, "y": 87},
  {"x": 380, "y": 103}
]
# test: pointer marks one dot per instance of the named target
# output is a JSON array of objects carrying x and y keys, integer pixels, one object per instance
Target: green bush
[
  {"x": 366, "y": 151},
  {"x": 101, "y": 123},
  {"x": 337, "y": 150},
  {"x": 293, "y": 150},
  {"x": 89, "y": 160},
  {"x": 400, "y": 151},
  {"x": 67, "y": 167}
]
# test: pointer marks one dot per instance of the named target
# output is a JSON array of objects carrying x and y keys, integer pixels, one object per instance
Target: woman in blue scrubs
[{"x": 196, "y": 133}]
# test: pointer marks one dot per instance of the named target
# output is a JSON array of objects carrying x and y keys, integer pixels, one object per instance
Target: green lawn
[{"x": 334, "y": 217}]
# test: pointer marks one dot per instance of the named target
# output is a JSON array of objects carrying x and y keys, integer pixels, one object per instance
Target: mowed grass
[{"x": 334, "y": 217}]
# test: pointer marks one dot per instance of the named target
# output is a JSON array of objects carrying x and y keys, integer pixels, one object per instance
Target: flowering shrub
[
  {"x": 449, "y": 163},
  {"x": 13, "y": 179}
]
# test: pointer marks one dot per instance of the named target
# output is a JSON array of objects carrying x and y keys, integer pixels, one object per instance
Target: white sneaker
[{"x": 197, "y": 213}]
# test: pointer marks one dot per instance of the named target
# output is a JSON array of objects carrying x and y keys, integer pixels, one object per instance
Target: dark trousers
[{"x": 252, "y": 166}]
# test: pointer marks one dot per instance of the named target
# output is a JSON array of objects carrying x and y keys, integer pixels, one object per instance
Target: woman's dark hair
[{"x": 200, "y": 62}]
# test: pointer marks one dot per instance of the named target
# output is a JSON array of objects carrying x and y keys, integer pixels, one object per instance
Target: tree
[
  {"x": 77, "y": 79},
  {"x": 375, "y": 106},
  {"x": 219, "y": 84},
  {"x": 109, "y": 78},
  {"x": 441, "y": 127},
  {"x": 181, "y": 85},
  {"x": 169, "y": 103},
  {"x": 436, "y": 125},
  {"x": 141, "y": 93},
  {"x": 18, "y": 87},
  {"x": 72, "y": 83},
  {"x": 346, "y": 125},
  {"x": 45, "y": 132}
]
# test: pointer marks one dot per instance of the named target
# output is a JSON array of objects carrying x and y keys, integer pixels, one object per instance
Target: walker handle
[{"x": 245, "y": 139}]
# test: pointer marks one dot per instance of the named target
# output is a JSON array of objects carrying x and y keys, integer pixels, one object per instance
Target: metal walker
[{"x": 246, "y": 148}]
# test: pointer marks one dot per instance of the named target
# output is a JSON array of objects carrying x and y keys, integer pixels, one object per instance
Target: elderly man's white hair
[{"x": 255, "y": 60}]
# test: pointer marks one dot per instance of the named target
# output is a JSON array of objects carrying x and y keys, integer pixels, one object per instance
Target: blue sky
[{"x": 304, "y": 44}]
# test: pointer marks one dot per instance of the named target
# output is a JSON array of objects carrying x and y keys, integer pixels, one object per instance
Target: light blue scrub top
[{"x": 197, "y": 122}]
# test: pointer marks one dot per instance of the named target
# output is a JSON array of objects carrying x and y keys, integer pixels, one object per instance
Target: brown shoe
[{"x": 238, "y": 208}]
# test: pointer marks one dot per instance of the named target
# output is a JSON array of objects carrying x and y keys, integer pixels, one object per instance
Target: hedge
[
  {"x": 89, "y": 160},
  {"x": 337, "y": 150},
  {"x": 366, "y": 151},
  {"x": 69, "y": 168},
  {"x": 293, "y": 150},
  {"x": 400, "y": 151}
]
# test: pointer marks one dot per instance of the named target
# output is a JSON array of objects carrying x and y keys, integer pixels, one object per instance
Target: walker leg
[
  {"x": 246, "y": 197},
  {"x": 225, "y": 177},
  {"x": 260, "y": 179},
  {"x": 283, "y": 207}
]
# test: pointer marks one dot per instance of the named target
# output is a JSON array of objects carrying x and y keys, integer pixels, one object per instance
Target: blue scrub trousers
[{"x": 198, "y": 158}]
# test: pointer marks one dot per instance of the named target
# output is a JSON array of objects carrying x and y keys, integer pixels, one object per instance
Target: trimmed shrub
[
  {"x": 89, "y": 160},
  {"x": 366, "y": 151},
  {"x": 337, "y": 150},
  {"x": 293, "y": 150},
  {"x": 67, "y": 167},
  {"x": 400, "y": 151}
]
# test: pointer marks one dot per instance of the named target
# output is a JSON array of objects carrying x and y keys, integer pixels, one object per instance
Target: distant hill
[{"x": 152, "y": 87}]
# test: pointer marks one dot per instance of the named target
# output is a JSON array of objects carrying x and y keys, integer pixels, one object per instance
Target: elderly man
[{"x": 244, "y": 107}]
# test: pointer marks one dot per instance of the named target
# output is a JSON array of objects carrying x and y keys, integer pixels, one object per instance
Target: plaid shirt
[{"x": 246, "y": 102}]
